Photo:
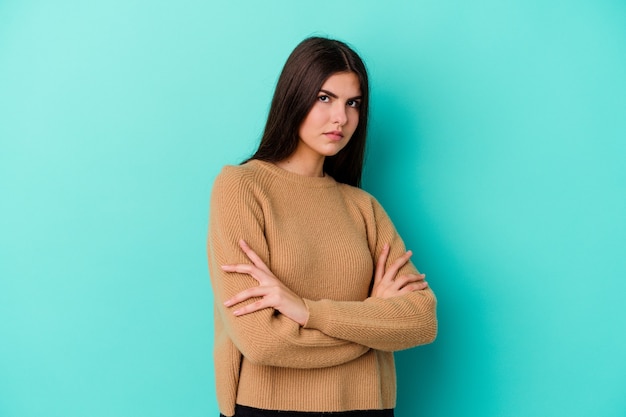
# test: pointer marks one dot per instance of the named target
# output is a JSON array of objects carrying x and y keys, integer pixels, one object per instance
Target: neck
[{"x": 305, "y": 167}]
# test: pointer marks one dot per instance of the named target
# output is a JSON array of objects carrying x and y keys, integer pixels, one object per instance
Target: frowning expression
[{"x": 334, "y": 117}]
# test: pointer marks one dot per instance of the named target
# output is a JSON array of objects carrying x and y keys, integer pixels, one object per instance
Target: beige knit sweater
[{"x": 321, "y": 239}]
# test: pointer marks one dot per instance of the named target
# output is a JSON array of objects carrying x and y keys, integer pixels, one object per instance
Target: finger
[
  {"x": 241, "y": 268},
  {"x": 416, "y": 286},
  {"x": 246, "y": 295},
  {"x": 404, "y": 280},
  {"x": 252, "y": 307},
  {"x": 256, "y": 273},
  {"x": 382, "y": 261},
  {"x": 393, "y": 269},
  {"x": 256, "y": 259},
  {"x": 411, "y": 278}
]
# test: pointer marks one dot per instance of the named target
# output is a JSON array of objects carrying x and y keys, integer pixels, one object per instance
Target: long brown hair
[{"x": 310, "y": 64}]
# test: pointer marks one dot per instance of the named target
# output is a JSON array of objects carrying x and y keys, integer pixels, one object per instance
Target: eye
[
  {"x": 354, "y": 103},
  {"x": 323, "y": 98}
]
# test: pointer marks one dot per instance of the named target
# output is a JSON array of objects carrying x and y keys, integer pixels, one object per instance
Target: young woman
[{"x": 313, "y": 286}]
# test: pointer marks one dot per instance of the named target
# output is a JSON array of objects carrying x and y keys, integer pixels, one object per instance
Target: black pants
[{"x": 243, "y": 411}]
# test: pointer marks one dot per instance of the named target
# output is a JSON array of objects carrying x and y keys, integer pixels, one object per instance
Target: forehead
[{"x": 343, "y": 84}]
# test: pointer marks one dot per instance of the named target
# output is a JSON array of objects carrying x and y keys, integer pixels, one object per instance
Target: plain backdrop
[{"x": 497, "y": 146}]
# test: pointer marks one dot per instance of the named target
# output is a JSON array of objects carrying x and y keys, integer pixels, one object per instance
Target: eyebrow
[{"x": 333, "y": 95}]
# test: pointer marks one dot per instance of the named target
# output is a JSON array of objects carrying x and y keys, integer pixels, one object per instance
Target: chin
[
  {"x": 329, "y": 154},
  {"x": 334, "y": 151}
]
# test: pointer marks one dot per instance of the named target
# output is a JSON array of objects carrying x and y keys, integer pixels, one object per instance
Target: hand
[
  {"x": 273, "y": 293},
  {"x": 387, "y": 285}
]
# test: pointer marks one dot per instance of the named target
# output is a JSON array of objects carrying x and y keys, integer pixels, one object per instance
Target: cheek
[
  {"x": 309, "y": 122},
  {"x": 354, "y": 119},
  {"x": 317, "y": 115}
]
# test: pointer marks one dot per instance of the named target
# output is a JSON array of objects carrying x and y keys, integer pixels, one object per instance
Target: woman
[{"x": 313, "y": 287}]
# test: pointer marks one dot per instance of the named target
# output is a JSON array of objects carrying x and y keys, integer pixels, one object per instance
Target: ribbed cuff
[{"x": 317, "y": 315}]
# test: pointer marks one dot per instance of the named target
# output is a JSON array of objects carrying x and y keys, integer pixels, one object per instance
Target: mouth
[{"x": 334, "y": 135}]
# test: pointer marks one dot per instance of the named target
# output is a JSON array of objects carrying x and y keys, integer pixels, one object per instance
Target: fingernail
[{"x": 236, "y": 313}]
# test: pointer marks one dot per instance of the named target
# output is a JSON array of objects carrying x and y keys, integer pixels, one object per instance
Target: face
[{"x": 334, "y": 117}]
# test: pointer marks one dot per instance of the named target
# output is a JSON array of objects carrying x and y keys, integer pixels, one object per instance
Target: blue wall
[{"x": 498, "y": 135}]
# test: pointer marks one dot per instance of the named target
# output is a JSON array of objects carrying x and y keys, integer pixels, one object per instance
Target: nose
[{"x": 339, "y": 114}]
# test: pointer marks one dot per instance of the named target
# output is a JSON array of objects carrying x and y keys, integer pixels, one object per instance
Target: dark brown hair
[{"x": 310, "y": 64}]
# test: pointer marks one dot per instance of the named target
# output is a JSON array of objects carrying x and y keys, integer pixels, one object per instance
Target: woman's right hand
[
  {"x": 387, "y": 285},
  {"x": 271, "y": 291}
]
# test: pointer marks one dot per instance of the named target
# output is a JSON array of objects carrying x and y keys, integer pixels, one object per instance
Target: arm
[
  {"x": 263, "y": 337},
  {"x": 386, "y": 324}
]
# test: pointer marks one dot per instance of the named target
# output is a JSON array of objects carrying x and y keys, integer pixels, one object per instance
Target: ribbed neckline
[{"x": 323, "y": 182}]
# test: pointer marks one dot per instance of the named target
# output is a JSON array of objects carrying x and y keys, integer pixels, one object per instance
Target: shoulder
[
  {"x": 365, "y": 203},
  {"x": 238, "y": 189},
  {"x": 234, "y": 179},
  {"x": 370, "y": 208},
  {"x": 234, "y": 173},
  {"x": 358, "y": 196},
  {"x": 233, "y": 187}
]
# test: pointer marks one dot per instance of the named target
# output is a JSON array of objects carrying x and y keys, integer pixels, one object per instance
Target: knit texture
[{"x": 321, "y": 239}]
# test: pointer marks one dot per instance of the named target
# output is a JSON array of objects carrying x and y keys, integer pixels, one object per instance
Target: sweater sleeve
[
  {"x": 263, "y": 337},
  {"x": 385, "y": 324}
]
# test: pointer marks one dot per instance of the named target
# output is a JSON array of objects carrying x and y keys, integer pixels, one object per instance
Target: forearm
[
  {"x": 275, "y": 340},
  {"x": 269, "y": 338},
  {"x": 384, "y": 324}
]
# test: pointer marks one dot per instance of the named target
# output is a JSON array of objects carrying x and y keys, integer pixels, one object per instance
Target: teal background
[{"x": 497, "y": 146}]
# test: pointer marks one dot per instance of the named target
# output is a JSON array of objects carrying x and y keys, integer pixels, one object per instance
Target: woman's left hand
[{"x": 273, "y": 293}]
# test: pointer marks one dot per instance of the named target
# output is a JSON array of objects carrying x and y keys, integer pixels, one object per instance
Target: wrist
[{"x": 304, "y": 318}]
